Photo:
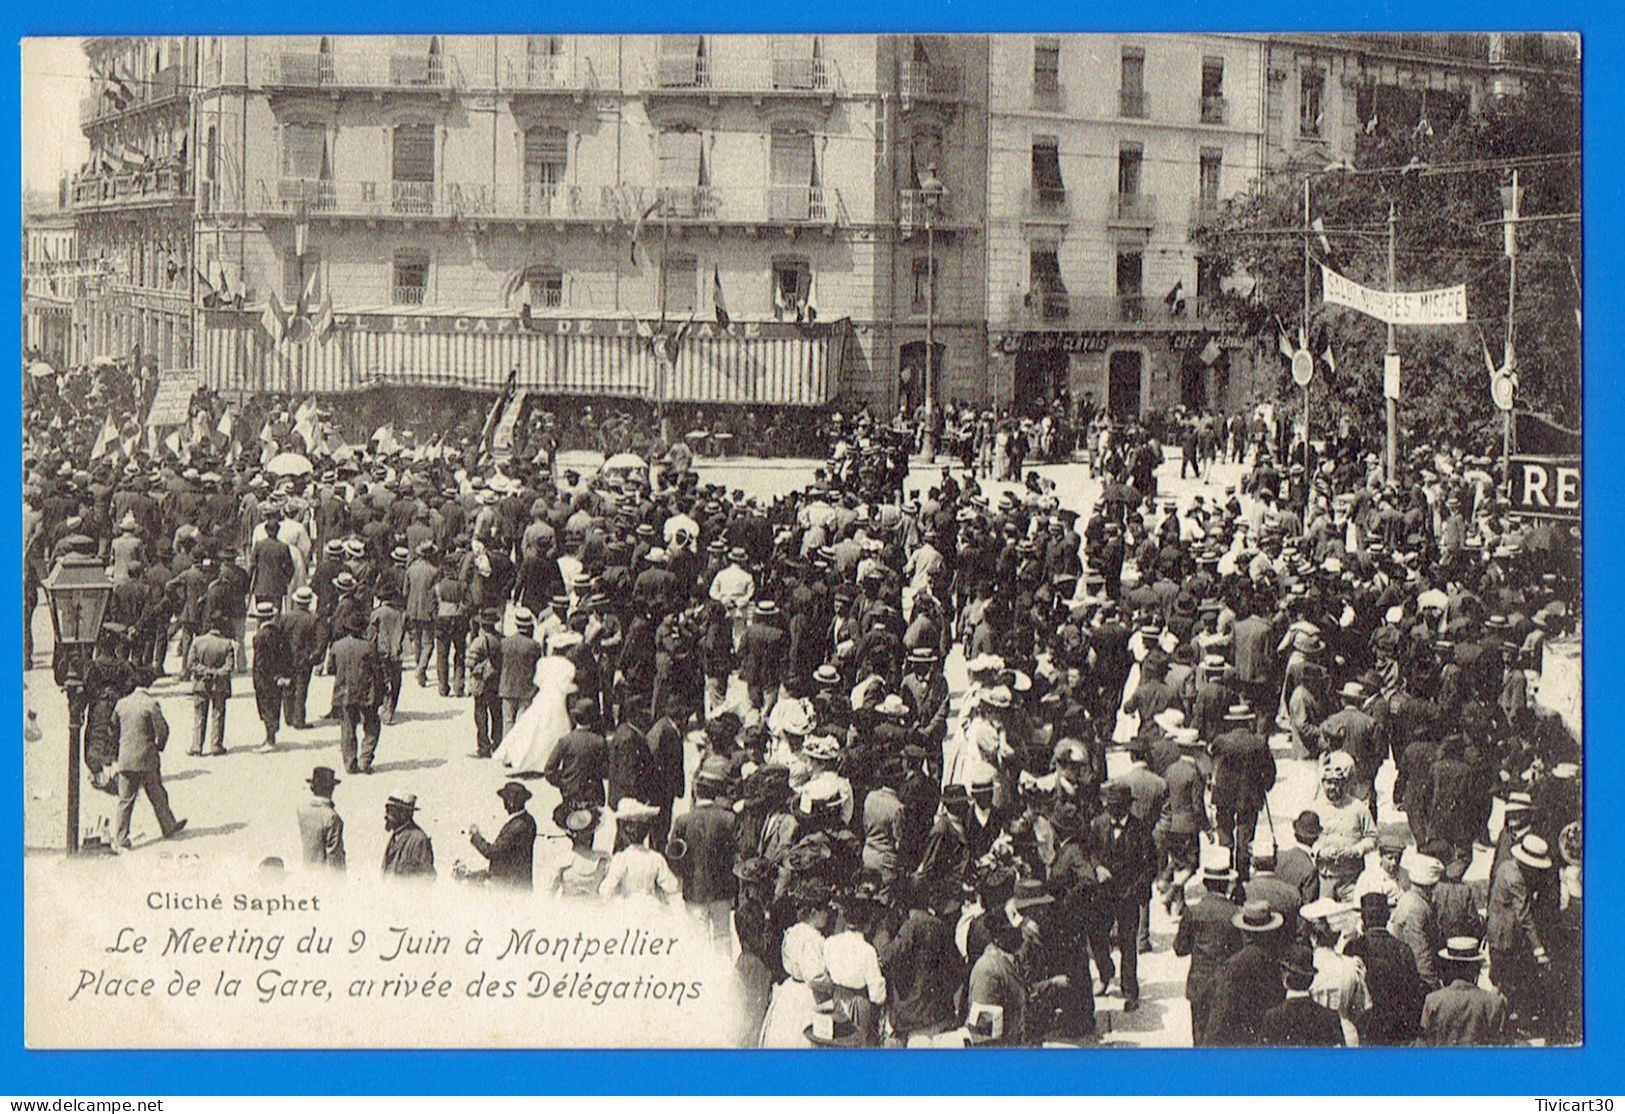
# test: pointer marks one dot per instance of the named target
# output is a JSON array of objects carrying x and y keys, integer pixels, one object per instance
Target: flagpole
[
  {"x": 1391, "y": 405},
  {"x": 1507, "y": 358},
  {"x": 661, "y": 419},
  {"x": 1308, "y": 484}
]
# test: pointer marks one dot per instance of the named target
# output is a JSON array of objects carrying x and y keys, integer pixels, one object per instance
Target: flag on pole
[
  {"x": 322, "y": 322},
  {"x": 385, "y": 439},
  {"x": 716, "y": 296},
  {"x": 1284, "y": 340},
  {"x": 1489, "y": 361},
  {"x": 208, "y": 297},
  {"x": 274, "y": 318},
  {"x": 1371, "y": 124},
  {"x": 1331, "y": 360},
  {"x": 227, "y": 423},
  {"x": 1210, "y": 351},
  {"x": 637, "y": 228},
  {"x": 1320, "y": 235},
  {"x": 105, "y": 439}
]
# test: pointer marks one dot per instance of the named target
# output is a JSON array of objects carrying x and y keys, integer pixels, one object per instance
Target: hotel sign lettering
[{"x": 479, "y": 325}]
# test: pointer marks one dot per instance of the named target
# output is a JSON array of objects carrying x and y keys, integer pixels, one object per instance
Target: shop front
[
  {"x": 748, "y": 363},
  {"x": 1129, "y": 373}
]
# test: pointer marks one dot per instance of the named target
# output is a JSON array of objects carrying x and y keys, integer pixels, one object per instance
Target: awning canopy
[{"x": 764, "y": 362}]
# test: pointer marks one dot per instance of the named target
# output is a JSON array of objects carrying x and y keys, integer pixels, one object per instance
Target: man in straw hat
[
  {"x": 1249, "y": 984},
  {"x": 409, "y": 854},
  {"x": 1522, "y": 908},
  {"x": 321, "y": 829},
  {"x": 511, "y": 853},
  {"x": 1462, "y": 1013},
  {"x": 701, "y": 851},
  {"x": 1243, "y": 772}
]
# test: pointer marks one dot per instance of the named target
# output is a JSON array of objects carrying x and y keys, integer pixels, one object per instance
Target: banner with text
[
  {"x": 1447, "y": 306},
  {"x": 172, "y": 404}
]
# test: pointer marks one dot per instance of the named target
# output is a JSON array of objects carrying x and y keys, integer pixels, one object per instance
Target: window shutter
[
  {"x": 414, "y": 153},
  {"x": 679, "y": 153}
]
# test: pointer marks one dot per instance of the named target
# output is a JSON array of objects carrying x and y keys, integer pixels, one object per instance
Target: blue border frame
[{"x": 1596, "y": 1069}]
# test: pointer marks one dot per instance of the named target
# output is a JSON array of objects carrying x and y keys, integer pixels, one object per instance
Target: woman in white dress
[
  {"x": 529, "y": 743},
  {"x": 794, "y": 1001}
]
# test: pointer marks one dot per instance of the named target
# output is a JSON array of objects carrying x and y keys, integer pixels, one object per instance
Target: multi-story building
[
  {"x": 469, "y": 205},
  {"x": 1104, "y": 150},
  {"x": 472, "y": 204},
  {"x": 132, "y": 200},
  {"x": 50, "y": 285}
]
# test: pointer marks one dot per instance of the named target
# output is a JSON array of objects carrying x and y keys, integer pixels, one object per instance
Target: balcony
[
  {"x": 756, "y": 78},
  {"x": 543, "y": 74},
  {"x": 1133, "y": 104},
  {"x": 164, "y": 88},
  {"x": 921, "y": 82},
  {"x": 407, "y": 296},
  {"x": 1131, "y": 210},
  {"x": 781, "y": 206},
  {"x": 1046, "y": 203},
  {"x": 1107, "y": 310},
  {"x": 1215, "y": 110},
  {"x": 913, "y": 207},
  {"x": 352, "y": 71},
  {"x": 152, "y": 186},
  {"x": 1049, "y": 303},
  {"x": 1205, "y": 209}
]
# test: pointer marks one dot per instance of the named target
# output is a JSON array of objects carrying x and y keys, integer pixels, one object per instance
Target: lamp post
[
  {"x": 931, "y": 194},
  {"x": 78, "y": 590}
]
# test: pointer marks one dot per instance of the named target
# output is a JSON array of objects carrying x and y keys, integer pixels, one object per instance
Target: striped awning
[{"x": 770, "y": 363}]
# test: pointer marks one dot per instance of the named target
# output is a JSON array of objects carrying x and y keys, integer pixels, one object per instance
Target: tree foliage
[{"x": 1447, "y": 232}]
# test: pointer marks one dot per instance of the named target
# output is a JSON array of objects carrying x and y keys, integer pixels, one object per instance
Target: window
[
  {"x": 1207, "y": 180},
  {"x": 412, "y": 168},
  {"x": 546, "y": 157},
  {"x": 792, "y": 288},
  {"x": 681, "y": 167},
  {"x": 1311, "y": 91},
  {"x": 304, "y": 164},
  {"x": 679, "y": 279},
  {"x": 798, "y": 62},
  {"x": 411, "y": 277},
  {"x": 1212, "y": 90},
  {"x": 544, "y": 59},
  {"x": 1047, "y": 68},
  {"x": 1131, "y": 90},
  {"x": 543, "y": 287},
  {"x": 1130, "y": 158},
  {"x": 922, "y": 284},
  {"x": 297, "y": 271},
  {"x": 1130, "y": 280},
  {"x": 1049, "y": 191},
  {"x": 681, "y": 62},
  {"x": 795, "y": 194},
  {"x": 417, "y": 60},
  {"x": 1047, "y": 290}
]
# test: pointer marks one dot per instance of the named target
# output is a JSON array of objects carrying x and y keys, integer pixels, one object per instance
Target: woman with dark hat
[{"x": 580, "y": 871}]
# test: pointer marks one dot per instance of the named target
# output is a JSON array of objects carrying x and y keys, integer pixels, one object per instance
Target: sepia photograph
[{"x": 804, "y": 541}]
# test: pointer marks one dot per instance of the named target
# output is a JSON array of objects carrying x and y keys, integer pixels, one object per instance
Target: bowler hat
[
  {"x": 322, "y": 780},
  {"x": 514, "y": 791}
]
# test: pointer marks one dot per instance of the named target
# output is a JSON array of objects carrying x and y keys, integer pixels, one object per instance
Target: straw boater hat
[
  {"x": 1462, "y": 949},
  {"x": 405, "y": 802},
  {"x": 1257, "y": 917},
  {"x": 1532, "y": 851}
]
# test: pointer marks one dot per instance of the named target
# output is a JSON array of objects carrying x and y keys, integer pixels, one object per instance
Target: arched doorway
[{"x": 911, "y": 374}]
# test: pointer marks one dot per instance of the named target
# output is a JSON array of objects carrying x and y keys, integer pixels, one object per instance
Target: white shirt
[{"x": 853, "y": 964}]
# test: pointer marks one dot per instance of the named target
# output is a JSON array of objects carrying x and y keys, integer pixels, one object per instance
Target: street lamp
[
  {"x": 78, "y": 590},
  {"x": 931, "y": 194}
]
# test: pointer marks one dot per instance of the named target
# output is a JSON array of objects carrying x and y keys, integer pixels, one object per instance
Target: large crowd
[{"x": 893, "y": 861}]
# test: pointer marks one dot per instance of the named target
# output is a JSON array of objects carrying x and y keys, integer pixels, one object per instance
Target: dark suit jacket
[
  {"x": 273, "y": 655},
  {"x": 511, "y": 852},
  {"x": 1296, "y": 867},
  {"x": 273, "y": 568},
  {"x": 520, "y": 653},
  {"x": 355, "y": 672},
  {"x": 1209, "y": 938},
  {"x": 1247, "y": 987},
  {"x": 707, "y": 870},
  {"x": 1302, "y": 1023},
  {"x": 1395, "y": 988},
  {"x": 304, "y": 636},
  {"x": 1243, "y": 770},
  {"x": 1128, "y": 854},
  {"x": 761, "y": 655},
  {"x": 1187, "y": 804},
  {"x": 578, "y": 765}
]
